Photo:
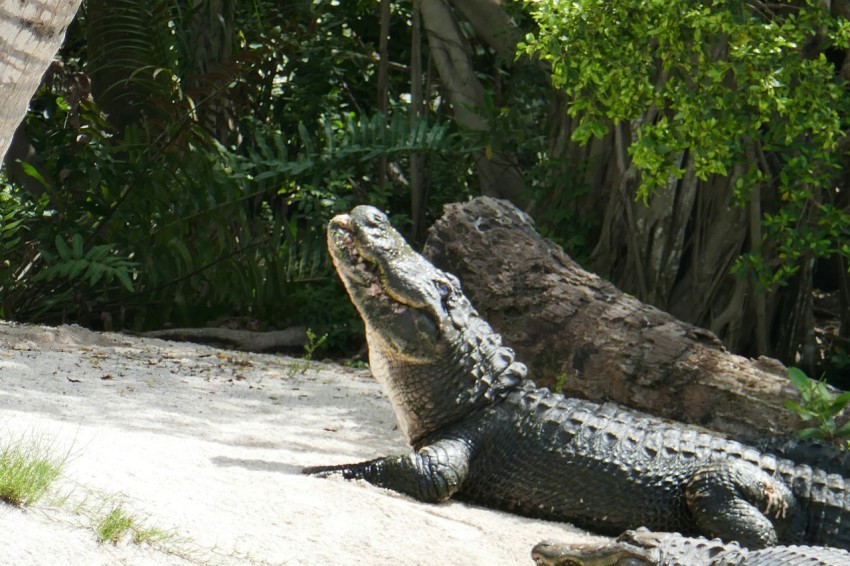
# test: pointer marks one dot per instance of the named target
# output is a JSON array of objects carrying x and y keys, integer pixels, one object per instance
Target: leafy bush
[
  {"x": 144, "y": 234},
  {"x": 731, "y": 86}
]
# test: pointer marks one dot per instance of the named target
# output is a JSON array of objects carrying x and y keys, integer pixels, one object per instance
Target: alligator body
[
  {"x": 480, "y": 431},
  {"x": 646, "y": 548}
]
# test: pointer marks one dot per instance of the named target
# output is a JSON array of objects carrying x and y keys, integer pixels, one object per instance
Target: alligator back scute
[
  {"x": 793, "y": 556},
  {"x": 607, "y": 437},
  {"x": 677, "y": 550},
  {"x": 582, "y": 453},
  {"x": 826, "y": 498}
]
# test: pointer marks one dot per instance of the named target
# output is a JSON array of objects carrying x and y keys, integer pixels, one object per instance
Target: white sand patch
[{"x": 208, "y": 445}]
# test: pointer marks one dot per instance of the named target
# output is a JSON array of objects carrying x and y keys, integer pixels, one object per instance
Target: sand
[{"x": 207, "y": 446}]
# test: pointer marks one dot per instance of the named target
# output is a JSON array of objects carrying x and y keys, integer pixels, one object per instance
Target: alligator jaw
[
  {"x": 404, "y": 319},
  {"x": 347, "y": 259}
]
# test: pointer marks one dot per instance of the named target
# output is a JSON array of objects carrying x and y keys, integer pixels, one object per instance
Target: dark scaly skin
[
  {"x": 481, "y": 432},
  {"x": 817, "y": 454},
  {"x": 645, "y": 548}
]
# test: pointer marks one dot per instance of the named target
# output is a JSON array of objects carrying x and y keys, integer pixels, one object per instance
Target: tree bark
[
  {"x": 31, "y": 33},
  {"x": 497, "y": 171},
  {"x": 580, "y": 334},
  {"x": 492, "y": 24}
]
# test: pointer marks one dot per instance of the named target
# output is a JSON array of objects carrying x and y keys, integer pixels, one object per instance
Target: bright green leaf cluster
[
  {"x": 701, "y": 77},
  {"x": 722, "y": 82},
  {"x": 820, "y": 405}
]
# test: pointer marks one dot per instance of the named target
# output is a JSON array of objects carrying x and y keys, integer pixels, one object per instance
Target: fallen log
[
  {"x": 246, "y": 340},
  {"x": 581, "y": 335}
]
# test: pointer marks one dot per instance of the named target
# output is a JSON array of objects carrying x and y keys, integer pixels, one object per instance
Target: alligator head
[{"x": 434, "y": 356}]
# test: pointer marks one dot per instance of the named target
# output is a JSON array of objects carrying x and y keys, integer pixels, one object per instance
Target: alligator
[
  {"x": 482, "y": 432},
  {"x": 642, "y": 547}
]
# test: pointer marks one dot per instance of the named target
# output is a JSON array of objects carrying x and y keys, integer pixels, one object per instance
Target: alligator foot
[
  {"x": 735, "y": 500},
  {"x": 432, "y": 474}
]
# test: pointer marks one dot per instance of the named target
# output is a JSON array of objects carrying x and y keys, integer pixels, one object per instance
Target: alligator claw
[{"x": 324, "y": 471}]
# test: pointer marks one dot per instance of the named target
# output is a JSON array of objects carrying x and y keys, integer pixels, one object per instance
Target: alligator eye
[
  {"x": 375, "y": 218},
  {"x": 444, "y": 289}
]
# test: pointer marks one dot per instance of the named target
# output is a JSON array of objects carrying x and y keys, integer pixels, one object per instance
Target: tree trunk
[
  {"x": 497, "y": 171},
  {"x": 580, "y": 334},
  {"x": 492, "y": 24},
  {"x": 418, "y": 188},
  {"x": 32, "y": 34}
]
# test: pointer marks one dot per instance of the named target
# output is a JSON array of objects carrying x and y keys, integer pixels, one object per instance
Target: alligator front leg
[
  {"x": 433, "y": 473},
  {"x": 737, "y": 501}
]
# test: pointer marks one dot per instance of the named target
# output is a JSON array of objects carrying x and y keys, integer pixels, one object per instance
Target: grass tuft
[
  {"x": 118, "y": 523},
  {"x": 114, "y": 526},
  {"x": 27, "y": 468}
]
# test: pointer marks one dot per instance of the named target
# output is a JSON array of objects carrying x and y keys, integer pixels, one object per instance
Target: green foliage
[
  {"x": 118, "y": 523},
  {"x": 318, "y": 170},
  {"x": 164, "y": 219},
  {"x": 314, "y": 344},
  {"x": 96, "y": 265},
  {"x": 19, "y": 215},
  {"x": 561, "y": 381},
  {"x": 346, "y": 142},
  {"x": 724, "y": 82},
  {"x": 819, "y": 405}
]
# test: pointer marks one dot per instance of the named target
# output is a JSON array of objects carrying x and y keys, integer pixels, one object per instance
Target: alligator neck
[{"x": 468, "y": 370}]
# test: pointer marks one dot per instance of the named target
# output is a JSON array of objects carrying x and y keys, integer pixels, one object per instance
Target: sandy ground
[{"x": 207, "y": 445}]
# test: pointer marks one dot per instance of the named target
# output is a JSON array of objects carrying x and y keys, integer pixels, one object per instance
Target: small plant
[
  {"x": 114, "y": 526},
  {"x": 314, "y": 343},
  {"x": 356, "y": 364},
  {"x": 107, "y": 516},
  {"x": 560, "y": 382},
  {"x": 151, "y": 535},
  {"x": 119, "y": 523},
  {"x": 819, "y": 405},
  {"x": 27, "y": 468}
]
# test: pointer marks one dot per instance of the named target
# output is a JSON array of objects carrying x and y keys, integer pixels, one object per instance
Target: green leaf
[
  {"x": 11, "y": 226},
  {"x": 842, "y": 400},
  {"x": 795, "y": 407},
  {"x": 843, "y": 430},
  {"x": 75, "y": 267},
  {"x": 94, "y": 273},
  {"x": 810, "y": 434},
  {"x": 798, "y": 378},
  {"x": 124, "y": 279},
  {"x": 31, "y": 171},
  {"x": 77, "y": 246},
  {"x": 62, "y": 248}
]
